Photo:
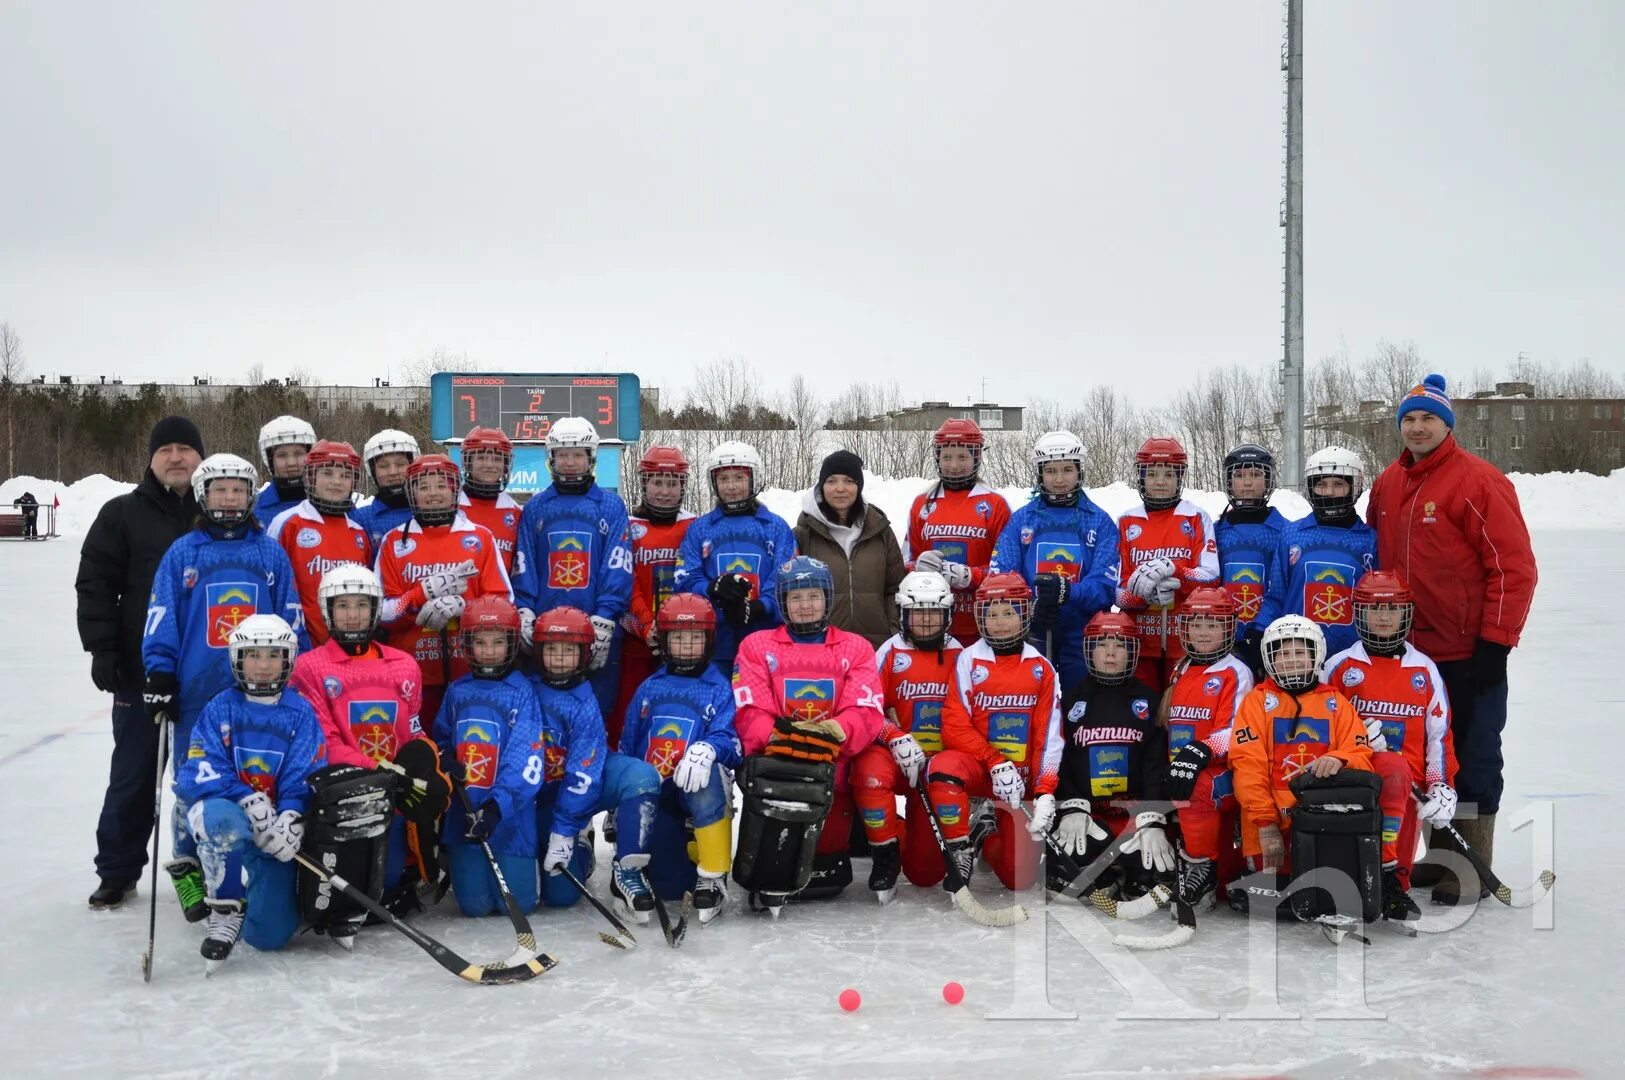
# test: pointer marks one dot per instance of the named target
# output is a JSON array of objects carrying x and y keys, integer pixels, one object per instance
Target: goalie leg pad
[
  {"x": 1336, "y": 845},
  {"x": 785, "y": 803},
  {"x": 346, "y": 831}
]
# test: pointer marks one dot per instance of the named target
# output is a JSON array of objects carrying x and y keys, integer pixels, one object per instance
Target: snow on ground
[{"x": 748, "y": 997}]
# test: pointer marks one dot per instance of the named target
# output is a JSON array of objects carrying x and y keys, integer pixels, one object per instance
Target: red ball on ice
[
  {"x": 953, "y": 993},
  {"x": 850, "y": 999}
]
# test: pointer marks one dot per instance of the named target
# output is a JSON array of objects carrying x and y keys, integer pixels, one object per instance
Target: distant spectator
[
  {"x": 116, "y": 567},
  {"x": 858, "y": 543},
  {"x": 30, "y": 508}
]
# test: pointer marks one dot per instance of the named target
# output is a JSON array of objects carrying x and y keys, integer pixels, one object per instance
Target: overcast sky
[{"x": 1047, "y": 195}]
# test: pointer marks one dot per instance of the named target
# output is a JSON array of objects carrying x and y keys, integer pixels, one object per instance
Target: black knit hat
[
  {"x": 175, "y": 429},
  {"x": 842, "y": 463}
]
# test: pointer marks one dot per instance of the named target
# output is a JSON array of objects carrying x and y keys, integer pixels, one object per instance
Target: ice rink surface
[{"x": 1497, "y": 992}]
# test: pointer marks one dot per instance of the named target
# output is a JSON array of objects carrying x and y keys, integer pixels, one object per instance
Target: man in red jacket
[{"x": 1450, "y": 523}]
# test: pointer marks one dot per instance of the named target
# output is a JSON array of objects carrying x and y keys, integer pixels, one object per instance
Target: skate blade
[
  {"x": 1402, "y": 927},
  {"x": 885, "y": 896}
]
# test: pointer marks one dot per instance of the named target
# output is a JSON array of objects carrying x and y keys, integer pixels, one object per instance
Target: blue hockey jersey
[
  {"x": 241, "y": 746},
  {"x": 1314, "y": 571},
  {"x": 668, "y": 713},
  {"x": 209, "y": 581},
  {"x": 573, "y": 550},
  {"x": 575, "y": 747},
  {"x": 269, "y": 504},
  {"x": 495, "y": 728},
  {"x": 1245, "y": 551},
  {"x": 750, "y": 544},
  {"x": 1078, "y": 542},
  {"x": 378, "y": 517}
]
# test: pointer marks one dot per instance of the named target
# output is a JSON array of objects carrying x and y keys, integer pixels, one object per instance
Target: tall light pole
[{"x": 1291, "y": 471}]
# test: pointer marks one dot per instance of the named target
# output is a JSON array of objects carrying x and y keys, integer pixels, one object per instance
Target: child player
[
  {"x": 1001, "y": 736},
  {"x": 953, "y": 525},
  {"x": 317, "y": 533},
  {"x": 915, "y": 666},
  {"x": 681, "y": 721},
  {"x": 1248, "y": 532},
  {"x": 387, "y": 454},
  {"x": 1199, "y": 709},
  {"x": 487, "y": 460},
  {"x": 1399, "y": 694},
  {"x": 284, "y": 442}
]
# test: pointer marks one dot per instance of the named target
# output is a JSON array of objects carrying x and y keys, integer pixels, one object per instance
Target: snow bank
[{"x": 81, "y": 500}]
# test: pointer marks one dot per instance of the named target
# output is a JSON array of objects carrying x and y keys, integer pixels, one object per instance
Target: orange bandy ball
[{"x": 850, "y": 999}]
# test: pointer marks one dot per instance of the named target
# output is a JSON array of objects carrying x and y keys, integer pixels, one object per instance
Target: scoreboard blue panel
[{"x": 524, "y": 406}]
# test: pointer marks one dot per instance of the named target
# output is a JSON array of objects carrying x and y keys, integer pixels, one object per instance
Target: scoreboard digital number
[{"x": 525, "y": 406}]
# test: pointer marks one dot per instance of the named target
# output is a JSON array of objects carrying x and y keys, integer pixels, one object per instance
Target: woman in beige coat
[{"x": 858, "y": 543}]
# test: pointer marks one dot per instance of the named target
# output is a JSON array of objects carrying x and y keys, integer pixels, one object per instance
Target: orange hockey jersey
[
  {"x": 1183, "y": 534},
  {"x": 1407, "y": 696},
  {"x": 1006, "y": 708},
  {"x": 316, "y": 543},
  {"x": 410, "y": 553},
  {"x": 915, "y": 684},
  {"x": 1202, "y": 704},
  {"x": 500, "y": 515},
  {"x": 1275, "y": 737},
  {"x": 964, "y": 526}
]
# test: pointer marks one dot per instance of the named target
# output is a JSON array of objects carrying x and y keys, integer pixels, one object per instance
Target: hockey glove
[
  {"x": 755, "y": 613},
  {"x": 909, "y": 757},
  {"x": 1489, "y": 665},
  {"x": 159, "y": 696},
  {"x": 438, "y": 612},
  {"x": 1374, "y": 737},
  {"x": 603, "y": 632},
  {"x": 1051, "y": 590},
  {"x": 1007, "y": 783},
  {"x": 1250, "y": 651},
  {"x": 1077, "y": 827},
  {"x": 730, "y": 589},
  {"x": 956, "y": 574},
  {"x": 1167, "y": 592},
  {"x": 282, "y": 837},
  {"x": 1147, "y": 576},
  {"x": 419, "y": 763},
  {"x": 104, "y": 672},
  {"x": 1272, "y": 849},
  {"x": 1188, "y": 763},
  {"x": 819, "y": 741},
  {"x": 1440, "y": 806},
  {"x": 1043, "y": 815},
  {"x": 260, "y": 813},
  {"x": 559, "y": 850},
  {"x": 482, "y": 820},
  {"x": 1156, "y": 853},
  {"x": 694, "y": 771},
  {"x": 454, "y": 582}
]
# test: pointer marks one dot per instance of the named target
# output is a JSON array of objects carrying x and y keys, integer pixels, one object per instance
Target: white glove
[
  {"x": 1148, "y": 575},
  {"x": 257, "y": 806},
  {"x": 909, "y": 757},
  {"x": 438, "y": 612},
  {"x": 527, "y": 626},
  {"x": 281, "y": 840},
  {"x": 930, "y": 562},
  {"x": 1043, "y": 815},
  {"x": 603, "y": 632},
  {"x": 1440, "y": 806},
  {"x": 1156, "y": 853},
  {"x": 1374, "y": 737},
  {"x": 1007, "y": 785},
  {"x": 559, "y": 849},
  {"x": 453, "y": 582},
  {"x": 955, "y": 573},
  {"x": 1077, "y": 828},
  {"x": 1167, "y": 590},
  {"x": 694, "y": 771}
]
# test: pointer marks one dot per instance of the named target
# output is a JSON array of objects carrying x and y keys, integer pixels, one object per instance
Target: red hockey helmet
[
  {"x": 327, "y": 454},
  {"x": 479, "y": 442},
  {"x": 490, "y": 612},
  {"x": 959, "y": 432},
  {"x": 1160, "y": 450},
  {"x": 1207, "y": 602},
  {"x": 1383, "y": 609},
  {"x": 686, "y": 611},
  {"x": 663, "y": 458},
  {"x": 563, "y": 626},
  {"x": 1006, "y": 588},
  {"x": 1111, "y": 626},
  {"x": 420, "y": 470}
]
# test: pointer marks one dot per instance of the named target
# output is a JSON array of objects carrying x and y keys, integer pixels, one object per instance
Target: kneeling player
[
  {"x": 590, "y": 778},
  {"x": 490, "y": 728},
  {"x": 681, "y": 721},
  {"x": 1200, "y": 708},
  {"x": 915, "y": 666},
  {"x": 246, "y": 778},
  {"x": 1001, "y": 734},
  {"x": 1114, "y": 758},
  {"x": 1399, "y": 694}
]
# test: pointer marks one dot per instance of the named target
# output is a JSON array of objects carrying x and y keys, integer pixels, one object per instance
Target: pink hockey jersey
[
  {"x": 835, "y": 679},
  {"x": 368, "y": 705}
]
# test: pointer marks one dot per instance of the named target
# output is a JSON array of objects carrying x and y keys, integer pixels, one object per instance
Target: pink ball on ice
[
  {"x": 953, "y": 993},
  {"x": 850, "y": 999}
]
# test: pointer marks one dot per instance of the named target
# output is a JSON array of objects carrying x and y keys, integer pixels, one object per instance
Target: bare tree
[
  {"x": 416, "y": 372},
  {"x": 13, "y": 371}
]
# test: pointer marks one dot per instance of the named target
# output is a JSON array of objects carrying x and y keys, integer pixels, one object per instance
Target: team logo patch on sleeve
[
  {"x": 1212, "y": 685},
  {"x": 229, "y": 604},
  {"x": 372, "y": 725},
  {"x": 471, "y": 543},
  {"x": 900, "y": 661},
  {"x": 1327, "y": 595},
  {"x": 332, "y": 686},
  {"x": 258, "y": 768},
  {"x": 809, "y": 700},
  {"x": 568, "y": 566},
  {"x": 1419, "y": 683},
  {"x": 477, "y": 749},
  {"x": 639, "y": 530}
]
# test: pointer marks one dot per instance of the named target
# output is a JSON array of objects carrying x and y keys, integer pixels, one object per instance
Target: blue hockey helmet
[{"x": 805, "y": 572}]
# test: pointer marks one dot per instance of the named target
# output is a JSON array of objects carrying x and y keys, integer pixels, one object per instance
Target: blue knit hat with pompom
[{"x": 1428, "y": 396}]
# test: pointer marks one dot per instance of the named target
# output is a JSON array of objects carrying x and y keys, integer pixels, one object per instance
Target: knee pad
[
  {"x": 786, "y": 801},
  {"x": 1337, "y": 845}
]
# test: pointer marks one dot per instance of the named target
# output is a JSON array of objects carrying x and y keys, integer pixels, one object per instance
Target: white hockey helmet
[
  {"x": 734, "y": 455},
  {"x": 1334, "y": 461},
  {"x": 350, "y": 579},
  {"x": 1293, "y": 628},
  {"x": 262, "y": 632},
  {"x": 224, "y": 467},
  {"x": 285, "y": 431},
  {"x": 923, "y": 590},
  {"x": 389, "y": 441},
  {"x": 1057, "y": 446},
  {"x": 572, "y": 432}
]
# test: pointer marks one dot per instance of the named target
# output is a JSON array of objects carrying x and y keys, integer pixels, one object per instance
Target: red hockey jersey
[
  {"x": 1202, "y": 704},
  {"x": 316, "y": 543},
  {"x": 410, "y": 553},
  {"x": 1183, "y": 534},
  {"x": 1407, "y": 696},
  {"x": 964, "y": 526},
  {"x": 501, "y": 516},
  {"x": 915, "y": 684},
  {"x": 1006, "y": 708}
]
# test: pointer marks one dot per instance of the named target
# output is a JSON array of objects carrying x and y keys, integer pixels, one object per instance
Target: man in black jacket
[
  {"x": 30, "y": 508},
  {"x": 116, "y": 568}
]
